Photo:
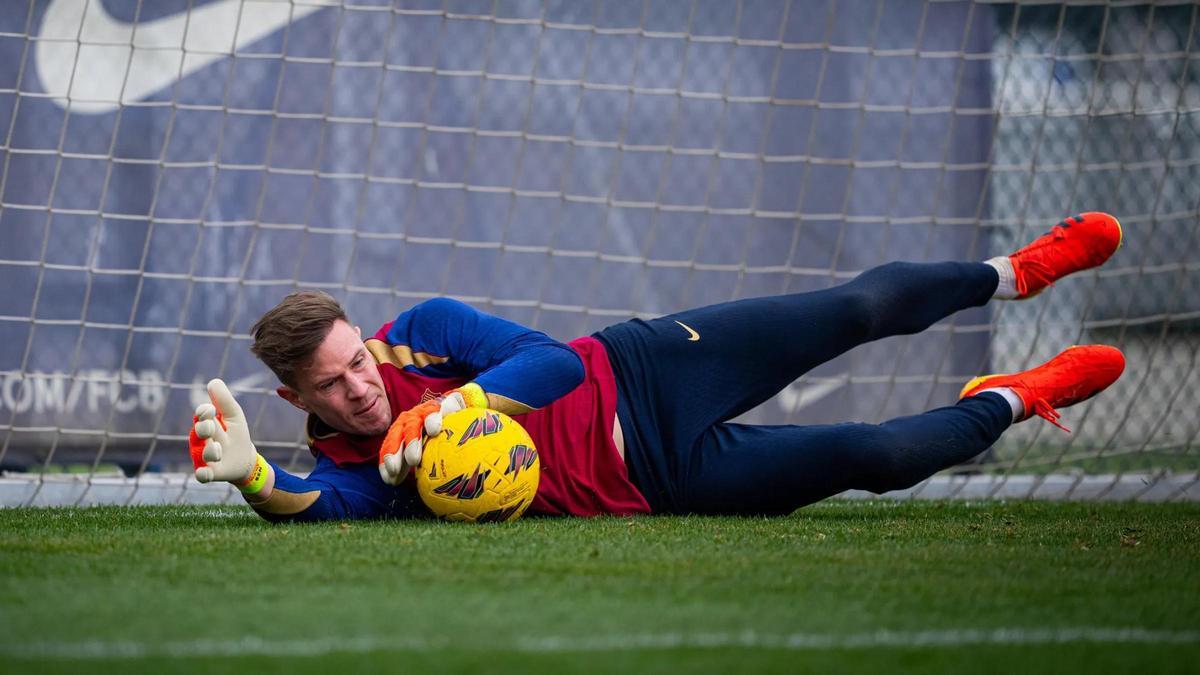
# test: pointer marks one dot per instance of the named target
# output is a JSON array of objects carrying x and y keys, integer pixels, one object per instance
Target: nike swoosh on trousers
[{"x": 83, "y": 53}]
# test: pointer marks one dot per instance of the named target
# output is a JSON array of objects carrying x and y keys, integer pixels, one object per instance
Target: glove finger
[
  {"x": 219, "y": 392},
  {"x": 453, "y": 403},
  {"x": 212, "y": 451},
  {"x": 394, "y": 464},
  {"x": 413, "y": 452},
  {"x": 206, "y": 428},
  {"x": 391, "y": 442},
  {"x": 433, "y": 425},
  {"x": 387, "y": 470},
  {"x": 410, "y": 431},
  {"x": 206, "y": 411},
  {"x": 392, "y": 470},
  {"x": 204, "y": 474}
]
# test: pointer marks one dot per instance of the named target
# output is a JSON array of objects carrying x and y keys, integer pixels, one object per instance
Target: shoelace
[
  {"x": 1043, "y": 409},
  {"x": 1034, "y": 267}
]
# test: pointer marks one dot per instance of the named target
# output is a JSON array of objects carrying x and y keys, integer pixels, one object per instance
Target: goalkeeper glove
[
  {"x": 402, "y": 447},
  {"x": 220, "y": 442}
]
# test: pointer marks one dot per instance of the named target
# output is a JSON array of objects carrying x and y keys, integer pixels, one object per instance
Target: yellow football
[{"x": 482, "y": 467}]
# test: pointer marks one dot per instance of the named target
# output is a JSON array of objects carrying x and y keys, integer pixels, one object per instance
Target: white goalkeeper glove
[{"x": 220, "y": 439}]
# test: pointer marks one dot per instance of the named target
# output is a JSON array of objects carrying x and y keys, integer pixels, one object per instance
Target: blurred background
[{"x": 171, "y": 169}]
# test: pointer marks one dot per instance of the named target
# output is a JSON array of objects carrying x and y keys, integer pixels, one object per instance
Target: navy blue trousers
[{"x": 676, "y": 394}]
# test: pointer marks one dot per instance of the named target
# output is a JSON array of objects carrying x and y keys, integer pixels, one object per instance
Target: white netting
[{"x": 172, "y": 168}]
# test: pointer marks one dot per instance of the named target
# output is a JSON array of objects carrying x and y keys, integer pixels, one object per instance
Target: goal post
[{"x": 171, "y": 169}]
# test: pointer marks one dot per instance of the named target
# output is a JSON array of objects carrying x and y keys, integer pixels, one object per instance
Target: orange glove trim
[{"x": 196, "y": 444}]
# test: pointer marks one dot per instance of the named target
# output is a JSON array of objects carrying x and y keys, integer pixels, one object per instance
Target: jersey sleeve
[
  {"x": 352, "y": 492},
  {"x": 502, "y": 357}
]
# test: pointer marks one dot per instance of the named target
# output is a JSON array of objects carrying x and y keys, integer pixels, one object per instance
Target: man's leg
[
  {"x": 736, "y": 468},
  {"x": 744, "y": 469},
  {"x": 725, "y": 359},
  {"x": 679, "y": 375},
  {"x": 707, "y": 365}
]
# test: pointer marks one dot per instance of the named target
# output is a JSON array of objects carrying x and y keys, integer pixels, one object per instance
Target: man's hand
[
  {"x": 220, "y": 438},
  {"x": 402, "y": 447}
]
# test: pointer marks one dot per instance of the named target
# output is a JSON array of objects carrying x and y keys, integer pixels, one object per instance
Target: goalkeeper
[{"x": 634, "y": 418}]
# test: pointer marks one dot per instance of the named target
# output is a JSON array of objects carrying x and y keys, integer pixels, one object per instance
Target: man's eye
[{"x": 326, "y": 386}]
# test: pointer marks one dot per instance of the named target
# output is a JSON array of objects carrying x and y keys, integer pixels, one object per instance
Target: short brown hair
[{"x": 287, "y": 336}]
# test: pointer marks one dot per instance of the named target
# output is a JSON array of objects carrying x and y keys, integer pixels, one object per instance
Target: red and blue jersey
[{"x": 442, "y": 344}]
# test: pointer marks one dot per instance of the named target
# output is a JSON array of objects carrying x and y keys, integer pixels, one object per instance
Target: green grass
[{"x": 149, "y": 589}]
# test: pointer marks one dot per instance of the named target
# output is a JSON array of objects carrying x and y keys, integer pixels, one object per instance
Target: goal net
[{"x": 172, "y": 168}]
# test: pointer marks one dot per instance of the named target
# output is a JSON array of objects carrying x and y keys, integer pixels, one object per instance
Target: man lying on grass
[{"x": 633, "y": 419}]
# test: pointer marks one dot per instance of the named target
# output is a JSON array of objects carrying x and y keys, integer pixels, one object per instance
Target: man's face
[{"x": 342, "y": 385}]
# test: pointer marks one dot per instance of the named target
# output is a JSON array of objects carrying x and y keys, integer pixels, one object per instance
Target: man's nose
[{"x": 358, "y": 386}]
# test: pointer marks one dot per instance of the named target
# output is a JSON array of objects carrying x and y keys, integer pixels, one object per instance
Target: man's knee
[
  {"x": 882, "y": 464},
  {"x": 870, "y": 296}
]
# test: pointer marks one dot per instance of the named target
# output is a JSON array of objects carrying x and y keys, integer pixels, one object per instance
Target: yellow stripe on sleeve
[{"x": 401, "y": 355}]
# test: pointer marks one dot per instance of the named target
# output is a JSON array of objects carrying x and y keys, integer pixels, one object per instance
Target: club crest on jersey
[
  {"x": 462, "y": 487},
  {"x": 481, "y": 426},
  {"x": 520, "y": 457}
]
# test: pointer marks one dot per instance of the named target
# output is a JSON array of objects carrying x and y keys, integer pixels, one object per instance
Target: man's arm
[
  {"x": 335, "y": 493},
  {"x": 222, "y": 450},
  {"x": 518, "y": 369},
  {"x": 514, "y": 369}
]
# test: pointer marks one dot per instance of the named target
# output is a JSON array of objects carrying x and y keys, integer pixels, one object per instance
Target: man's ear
[{"x": 288, "y": 394}]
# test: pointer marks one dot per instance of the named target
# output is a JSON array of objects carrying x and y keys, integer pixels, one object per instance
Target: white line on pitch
[{"x": 254, "y": 646}]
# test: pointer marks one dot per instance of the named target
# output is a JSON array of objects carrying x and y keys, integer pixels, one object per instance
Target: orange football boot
[
  {"x": 1076, "y": 374},
  {"x": 1077, "y": 243}
]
